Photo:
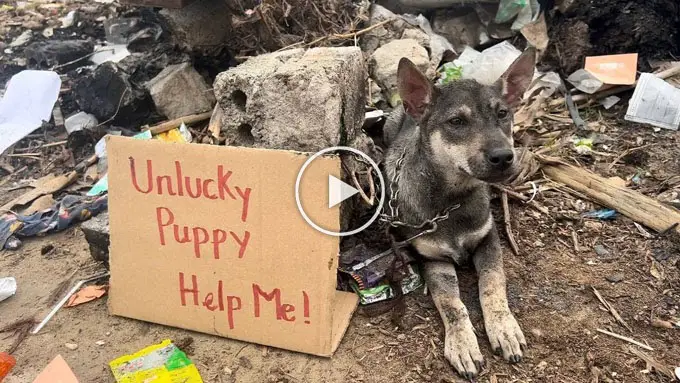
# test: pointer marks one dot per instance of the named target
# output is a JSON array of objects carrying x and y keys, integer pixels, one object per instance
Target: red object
[{"x": 7, "y": 362}]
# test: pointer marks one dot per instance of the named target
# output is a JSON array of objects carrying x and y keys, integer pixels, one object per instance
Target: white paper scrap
[
  {"x": 29, "y": 100},
  {"x": 655, "y": 102}
]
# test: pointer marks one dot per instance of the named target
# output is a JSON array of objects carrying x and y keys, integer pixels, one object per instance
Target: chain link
[{"x": 427, "y": 227}]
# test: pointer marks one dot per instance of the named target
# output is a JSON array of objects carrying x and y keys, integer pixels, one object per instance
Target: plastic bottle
[{"x": 7, "y": 362}]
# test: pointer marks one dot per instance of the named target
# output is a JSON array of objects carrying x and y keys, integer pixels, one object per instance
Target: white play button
[{"x": 338, "y": 191}]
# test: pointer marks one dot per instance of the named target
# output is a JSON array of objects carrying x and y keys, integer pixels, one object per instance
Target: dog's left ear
[
  {"x": 415, "y": 89},
  {"x": 516, "y": 80}
]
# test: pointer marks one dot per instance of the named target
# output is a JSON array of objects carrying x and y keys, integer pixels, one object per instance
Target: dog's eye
[
  {"x": 502, "y": 113},
  {"x": 456, "y": 121}
]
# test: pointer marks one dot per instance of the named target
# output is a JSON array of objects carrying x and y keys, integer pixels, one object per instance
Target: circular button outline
[{"x": 321, "y": 229}]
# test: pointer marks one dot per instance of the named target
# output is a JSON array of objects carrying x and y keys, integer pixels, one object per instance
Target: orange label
[{"x": 613, "y": 69}]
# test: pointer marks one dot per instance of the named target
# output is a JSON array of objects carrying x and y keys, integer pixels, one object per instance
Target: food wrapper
[
  {"x": 178, "y": 135},
  {"x": 383, "y": 291},
  {"x": 160, "y": 363}
]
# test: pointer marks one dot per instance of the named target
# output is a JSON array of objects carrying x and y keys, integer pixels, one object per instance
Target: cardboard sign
[
  {"x": 209, "y": 239},
  {"x": 613, "y": 69}
]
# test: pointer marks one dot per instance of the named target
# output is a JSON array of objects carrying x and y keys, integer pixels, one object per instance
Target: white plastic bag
[{"x": 8, "y": 287}]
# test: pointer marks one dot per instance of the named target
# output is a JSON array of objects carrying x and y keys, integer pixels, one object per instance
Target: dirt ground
[{"x": 550, "y": 292}]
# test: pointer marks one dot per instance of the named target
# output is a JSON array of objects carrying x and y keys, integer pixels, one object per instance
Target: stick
[
  {"x": 177, "y": 122},
  {"x": 25, "y": 155},
  {"x": 64, "y": 299},
  {"x": 634, "y": 205},
  {"x": 574, "y": 237},
  {"x": 340, "y": 36},
  {"x": 215, "y": 124},
  {"x": 660, "y": 368},
  {"x": 625, "y": 338},
  {"x": 522, "y": 198},
  {"x": 611, "y": 309},
  {"x": 508, "y": 226}
]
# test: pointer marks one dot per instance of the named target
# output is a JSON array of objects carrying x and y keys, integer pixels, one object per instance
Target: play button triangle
[{"x": 338, "y": 191}]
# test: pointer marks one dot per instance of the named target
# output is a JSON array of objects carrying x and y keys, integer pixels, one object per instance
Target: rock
[
  {"x": 80, "y": 121},
  {"x": 385, "y": 60},
  {"x": 22, "y": 39},
  {"x": 460, "y": 29},
  {"x": 295, "y": 99},
  {"x": 71, "y": 346},
  {"x": 100, "y": 343},
  {"x": 179, "y": 90},
  {"x": 422, "y": 38},
  {"x": 615, "y": 278},
  {"x": 601, "y": 250},
  {"x": 50, "y": 53},
  {"x": 107, "y": 92},
  {"x": 382, "y": 35},
  {"x": 96, "y": 231},
  {"x": 46, "y": 249},
  {"x": 13, "y": 243},
  {"x": 377, "y": 98},
  {"x": 537, "y": 332},
  {"x": 68, "y": 20},
  {"x": 201, "y": 24}
]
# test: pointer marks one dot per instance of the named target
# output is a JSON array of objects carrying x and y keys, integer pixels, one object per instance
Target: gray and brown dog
[{"x": 454, "y": 139}]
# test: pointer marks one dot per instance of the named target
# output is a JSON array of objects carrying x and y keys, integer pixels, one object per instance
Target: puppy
[{"x": 452, "y": 140}]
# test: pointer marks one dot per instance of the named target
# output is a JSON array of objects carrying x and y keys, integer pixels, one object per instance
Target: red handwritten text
[
  {"x": 233, "y": 302},
  {"x": 198, "y": 236},
  {"x": 217, "y": 188},
  {"x": 190, "y": 293}
]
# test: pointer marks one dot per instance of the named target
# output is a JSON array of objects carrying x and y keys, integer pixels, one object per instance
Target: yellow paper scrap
[{"x": 160, "y": 363}]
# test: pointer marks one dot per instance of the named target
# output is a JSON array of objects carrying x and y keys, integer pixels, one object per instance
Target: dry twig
[
  {"x": 508, "y": 226},
  {"x": 177, "y": 122},
  {"x": 611, "y": 309},
  {"x": 625, "y": 338},
  {"x": 652, "y": 363}
]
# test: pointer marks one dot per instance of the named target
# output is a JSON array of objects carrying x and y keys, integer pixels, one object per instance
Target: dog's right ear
[{"x": 415, "y": 89}]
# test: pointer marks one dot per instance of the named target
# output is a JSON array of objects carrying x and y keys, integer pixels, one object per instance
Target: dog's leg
[
  {"x": 460, "y": 348},
  {"x": 504, "y": 333}
]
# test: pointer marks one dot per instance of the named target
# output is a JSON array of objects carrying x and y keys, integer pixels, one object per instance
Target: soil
[
  {"x": 549, "y": 287},
  {"x": 649, "y": 28}
]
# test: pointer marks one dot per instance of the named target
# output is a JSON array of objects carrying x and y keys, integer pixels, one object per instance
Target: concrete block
[
  {"x": 179, "y": 91},
  {"x": 295, "y": 100},
  {"x": 96, "y": 231},
  {"x": 201, "y": 24}
]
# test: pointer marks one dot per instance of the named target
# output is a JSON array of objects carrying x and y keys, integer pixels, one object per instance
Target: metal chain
[{"x": 393, "y": 218}]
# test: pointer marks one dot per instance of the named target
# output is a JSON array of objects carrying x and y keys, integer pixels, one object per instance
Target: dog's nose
[{"x": 500, "y": 158}]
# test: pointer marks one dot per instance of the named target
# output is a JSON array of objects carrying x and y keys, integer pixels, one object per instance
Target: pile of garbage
[{"x": 271, "y": 78}]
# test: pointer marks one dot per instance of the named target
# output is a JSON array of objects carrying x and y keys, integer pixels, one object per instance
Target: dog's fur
[{"x": 455, "y": 138}]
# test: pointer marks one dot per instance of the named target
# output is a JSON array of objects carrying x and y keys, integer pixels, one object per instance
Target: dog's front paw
[
  {"x": 462, "y": 351},
  {"x": 506, "y": 337}
]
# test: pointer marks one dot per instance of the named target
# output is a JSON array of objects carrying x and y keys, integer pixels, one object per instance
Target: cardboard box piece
[{"x": 209, "y": 239}]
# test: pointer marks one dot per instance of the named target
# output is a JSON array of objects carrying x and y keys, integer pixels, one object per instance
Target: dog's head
[{"x": 465, "y": 126}]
